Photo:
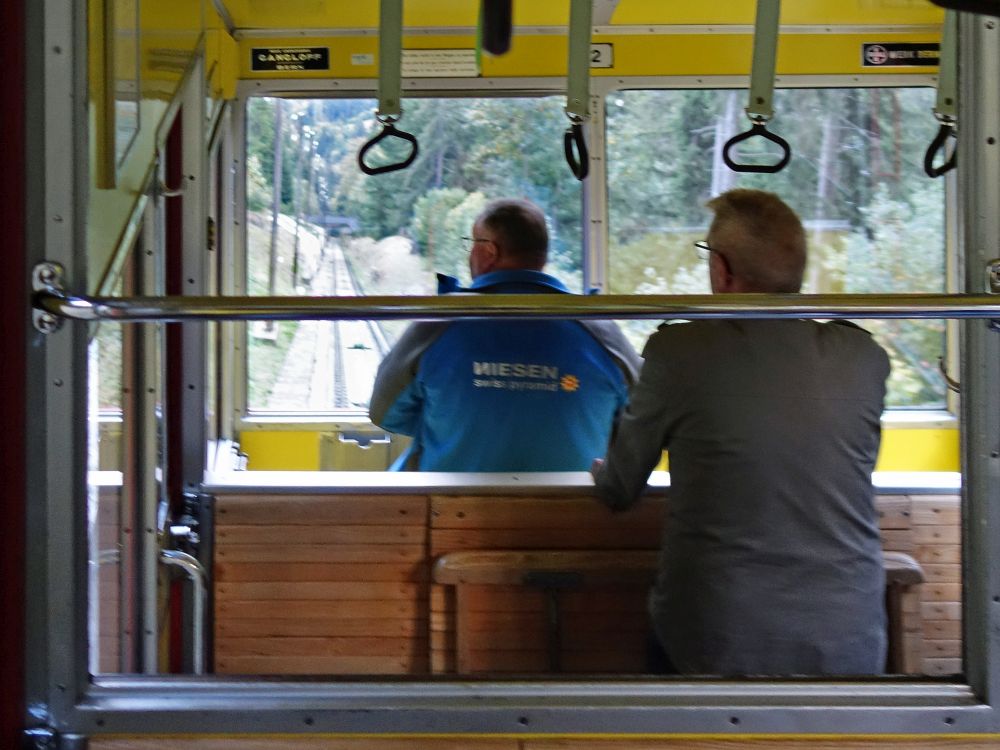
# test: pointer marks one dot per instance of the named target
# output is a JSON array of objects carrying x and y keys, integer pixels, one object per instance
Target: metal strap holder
[
  {"x": 759, "y": 107},
  {"x": 390, "y": 108},
  {"x": 578, "y": 87},
  {"x": 52, "y": 305},
  {"x": 946, "y": 106}
]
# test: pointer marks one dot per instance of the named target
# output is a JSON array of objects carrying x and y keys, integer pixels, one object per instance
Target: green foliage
[{"x": 855, "y": 177}]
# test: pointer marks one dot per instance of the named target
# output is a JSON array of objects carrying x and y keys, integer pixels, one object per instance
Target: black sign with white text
[
  {"x": 290, "y": 58},
  {"x": 900, "y": 54}
]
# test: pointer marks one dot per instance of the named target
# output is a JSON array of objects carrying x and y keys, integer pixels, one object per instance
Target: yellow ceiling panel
[
  {"x": 315, "y": 14},
  {"x": 809, "y": 12},
  {"x": 347, "y": 14}
]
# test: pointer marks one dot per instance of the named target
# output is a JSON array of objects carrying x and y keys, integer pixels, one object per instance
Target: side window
[
  {"x": 317, "y": 226},
  {"x": 874, "y": 220}
]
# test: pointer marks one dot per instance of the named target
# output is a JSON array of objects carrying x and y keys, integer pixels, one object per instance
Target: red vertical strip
[
  {"x": 174, "y": 386},
  {"x": 13, "y": 376}
]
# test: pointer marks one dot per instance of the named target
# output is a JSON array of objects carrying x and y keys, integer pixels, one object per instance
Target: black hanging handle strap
[
  {"x": 758, "y": 128},
  {"x": 939, "y": 144},
  {"x": 389, "y": 130},
  {"x": 575, "y": 146}
]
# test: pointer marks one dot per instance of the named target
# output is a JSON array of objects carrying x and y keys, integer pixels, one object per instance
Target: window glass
[
  {"x": 329, "y": 229},
  {"x": 874, "y": 220}
]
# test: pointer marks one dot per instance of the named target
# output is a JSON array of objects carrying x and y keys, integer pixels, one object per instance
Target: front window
[
  {"x": 331, "y": 230},
  {"x": 874, "y": 220}
]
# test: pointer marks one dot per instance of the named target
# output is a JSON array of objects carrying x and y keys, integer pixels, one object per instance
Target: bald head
[{"x": 760, "y": 241}]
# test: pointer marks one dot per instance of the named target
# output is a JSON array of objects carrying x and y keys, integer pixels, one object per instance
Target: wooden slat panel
[
  {"x": 302, "y": 743},
  {"x": 765, "y": 743},
  {"x": 310, "y": 510},
  {"x": 609, "y": 537},
  {"x": 319, "y": 534},
  {"x": 262, "y": 628},
  {"x": 230, "y": 647},
  {"x": 316, "y": 610},
  {"x": 938, "y": 553},
  {"x": 489, "y": 623},
  {"x": 937, "y": 667},
  {"x": 942, "y": 573},
  {"x": 934, "y": 515},
  {"x": 931, "y": 509},
  {"x": 941, "y": 592},
  {"x": 941, "y": 610},
  {"x": 942, "y": 629},
  {"x": 346, "y": 553},
  {"x": 556, "y": 513},
  {"x": 360, "y": 665},
  {"x": 898, "y": 540},
  {"x": 893, "y": 512},
  {"x": 518, "y": 599},
  {"x": 271, "y": 591},
  {"x": 942, "y": 648},
  {"x": 415, "y": 572},
  {"x": 937, "y": 535}
]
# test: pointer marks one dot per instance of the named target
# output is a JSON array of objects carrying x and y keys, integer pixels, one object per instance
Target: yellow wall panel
[
  {"x": 281, "y": 451},
  {"x": 919, "y": 449},
  {"x": 634, "y": 55}
]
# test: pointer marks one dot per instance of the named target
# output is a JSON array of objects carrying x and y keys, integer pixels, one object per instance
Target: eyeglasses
[
  {"x": 475, "y": 239},
  {"x": 702, "y": 248}
]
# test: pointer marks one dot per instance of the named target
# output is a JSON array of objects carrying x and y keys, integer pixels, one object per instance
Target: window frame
[
  {"x": 58, "y": 685},
  {"x": 595, "y": 252}
]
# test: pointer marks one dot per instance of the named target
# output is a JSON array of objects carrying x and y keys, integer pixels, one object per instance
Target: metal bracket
[
  {"x": 993, "y": 286},
  {"x": 47, "y": 277}
]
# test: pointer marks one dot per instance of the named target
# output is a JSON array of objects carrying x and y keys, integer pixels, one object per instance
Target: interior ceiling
[{"x": 354, "y": 14}]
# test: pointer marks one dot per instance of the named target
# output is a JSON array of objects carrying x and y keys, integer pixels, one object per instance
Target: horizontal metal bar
[
  {"x": 605, "y": 306},
  {"x": 607, "y": 30}
]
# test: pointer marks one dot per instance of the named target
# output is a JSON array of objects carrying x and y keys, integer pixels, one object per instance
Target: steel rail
[{"x": 448, "y": 307}]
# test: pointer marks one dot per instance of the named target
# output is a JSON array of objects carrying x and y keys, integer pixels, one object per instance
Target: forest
[{"x": 875, "y": 221}]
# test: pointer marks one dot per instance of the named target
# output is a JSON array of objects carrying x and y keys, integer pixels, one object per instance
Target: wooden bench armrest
[
  {"x": 901, "y": 569},
  {"x": 515, "y": 567}
]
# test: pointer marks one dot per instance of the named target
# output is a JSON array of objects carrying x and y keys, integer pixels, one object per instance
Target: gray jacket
[{"x": 771, "y": 556}]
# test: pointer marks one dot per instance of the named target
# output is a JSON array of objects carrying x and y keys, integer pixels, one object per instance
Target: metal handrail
[
  {"x": 197, "y": 574},
  {"x": 447, "y": 307}
]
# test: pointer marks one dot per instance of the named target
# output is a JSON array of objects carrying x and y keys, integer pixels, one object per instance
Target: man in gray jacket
[{"x": 771, "y": 557}]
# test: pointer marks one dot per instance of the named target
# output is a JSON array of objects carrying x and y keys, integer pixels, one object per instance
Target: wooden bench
[
  {"x": 555, "y": 572},
  {"x": 341, "y": 583}
]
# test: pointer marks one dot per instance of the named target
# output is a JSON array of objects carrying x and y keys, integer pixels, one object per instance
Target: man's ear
[
  {"x": 491, "y": 255},
  {"x": 722, "y": 277}
]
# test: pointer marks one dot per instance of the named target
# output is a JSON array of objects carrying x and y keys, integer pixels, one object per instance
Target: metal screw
[{"x": 47, "y": 323}]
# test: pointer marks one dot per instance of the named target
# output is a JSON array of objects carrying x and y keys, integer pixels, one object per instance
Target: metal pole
[{"x": 529, "y": 306}]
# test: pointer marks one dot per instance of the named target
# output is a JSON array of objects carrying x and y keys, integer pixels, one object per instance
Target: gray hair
[{"x": 762, "y": 239}]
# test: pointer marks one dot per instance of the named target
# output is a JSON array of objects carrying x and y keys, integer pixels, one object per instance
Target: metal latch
[
  {"x": 47, "y": 277},
  {"x": 993, "y": 285},
  {"x": 993, "y": 276}
]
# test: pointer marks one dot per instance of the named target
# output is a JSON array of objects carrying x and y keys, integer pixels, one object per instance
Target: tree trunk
[
  {"x": 272, "y": 268},
  {"x": 723, "y": 178},
  {"x": 824, "y": 183}
]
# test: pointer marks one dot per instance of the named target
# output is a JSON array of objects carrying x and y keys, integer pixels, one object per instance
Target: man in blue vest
[{"x": 495, "y": 395}]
